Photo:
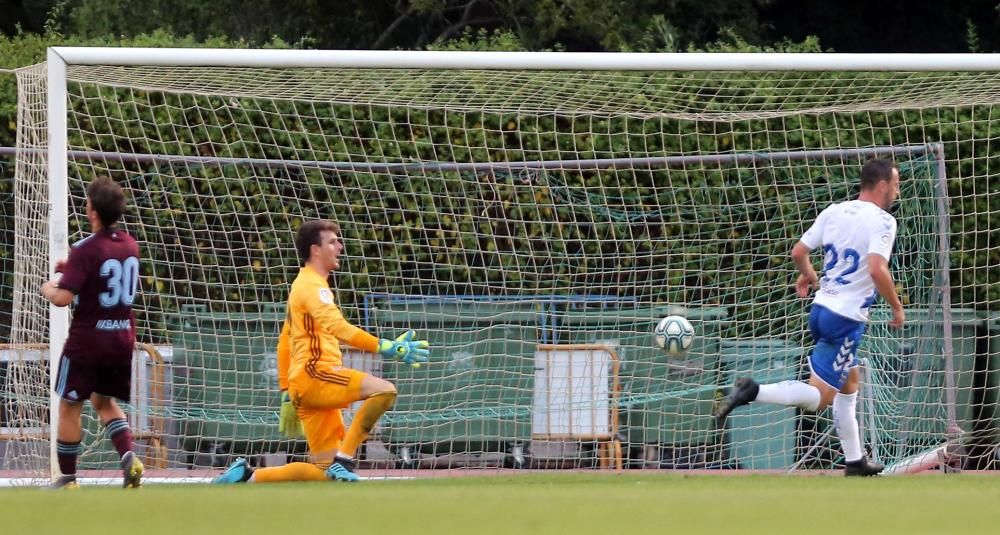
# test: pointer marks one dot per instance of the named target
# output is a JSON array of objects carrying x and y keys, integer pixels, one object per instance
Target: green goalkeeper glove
[
  {"x": 404, "y": 348},
  {"x": 288, "y": 419}
]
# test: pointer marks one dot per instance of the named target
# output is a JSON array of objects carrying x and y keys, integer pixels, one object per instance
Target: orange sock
[
  {"x": 371, "y": 410},
  {"x": 289, "y": 472}
]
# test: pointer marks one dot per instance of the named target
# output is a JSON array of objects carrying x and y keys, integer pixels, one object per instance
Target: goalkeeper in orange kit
[{"x": 314, "y": 384}]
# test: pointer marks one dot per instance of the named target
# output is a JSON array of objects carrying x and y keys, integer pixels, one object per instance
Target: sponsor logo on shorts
[{"x": 845, "y": 356}]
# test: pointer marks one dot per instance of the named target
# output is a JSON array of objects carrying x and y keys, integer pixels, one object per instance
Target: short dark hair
[
  {"x": 875, "y": 171},
  {"x": 107, "y": 199},
  {"x": 308, "y": 236}
]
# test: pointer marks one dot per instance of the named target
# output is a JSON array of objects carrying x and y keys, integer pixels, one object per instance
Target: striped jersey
[{"x": 309, "y": 345}]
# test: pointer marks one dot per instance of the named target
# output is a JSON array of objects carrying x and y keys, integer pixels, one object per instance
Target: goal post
[
  {"x": 502, "y": 204},
  {"x": 58, "y": 226}
]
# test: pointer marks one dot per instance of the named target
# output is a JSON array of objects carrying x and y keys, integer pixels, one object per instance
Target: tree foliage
[
  {"x": 575, "y": 25},
  {"x": 567, "y": 24}
]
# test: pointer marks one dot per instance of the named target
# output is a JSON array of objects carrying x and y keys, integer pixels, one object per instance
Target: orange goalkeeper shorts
[{"x": 319, "y": 401}]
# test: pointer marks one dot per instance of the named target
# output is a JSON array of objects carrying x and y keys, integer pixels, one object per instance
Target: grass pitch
[{"x": 559, "y": 503}]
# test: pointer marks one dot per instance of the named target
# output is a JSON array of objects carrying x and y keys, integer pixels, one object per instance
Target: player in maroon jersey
[{"x": 101, "y": 278}]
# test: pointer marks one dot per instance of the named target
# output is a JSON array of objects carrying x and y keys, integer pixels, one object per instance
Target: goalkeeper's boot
[
  {"x": 342, "y": 470},
  {"x": 743, "y": 391},
  {"x": 65, "y": 482},
  {"x": 131, "y": 470},
  {"x": 238, "y": 472},
  {"x": 862, "y": 468}
]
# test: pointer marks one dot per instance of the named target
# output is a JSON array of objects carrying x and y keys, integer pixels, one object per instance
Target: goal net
[{"x": 533, "y": 225}]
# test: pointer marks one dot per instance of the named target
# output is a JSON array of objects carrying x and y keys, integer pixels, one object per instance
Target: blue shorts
[{"x": 837, "y": 339}]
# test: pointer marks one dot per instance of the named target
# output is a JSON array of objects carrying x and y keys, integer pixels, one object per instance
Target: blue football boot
[
  {"x": 342, "y": 470},
  {"x": 238, "y": 472}
]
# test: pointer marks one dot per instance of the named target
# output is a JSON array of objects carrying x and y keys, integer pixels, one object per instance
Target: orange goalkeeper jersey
[{"x": 309, "y": 345}]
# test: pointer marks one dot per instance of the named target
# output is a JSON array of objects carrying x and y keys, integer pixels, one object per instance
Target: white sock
[
  {"x": 847, "y": 425},
  {"x": 790, "y": 394}
]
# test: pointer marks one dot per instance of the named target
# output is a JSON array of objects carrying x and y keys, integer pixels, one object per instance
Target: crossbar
[{"x": 402, "y": 59}]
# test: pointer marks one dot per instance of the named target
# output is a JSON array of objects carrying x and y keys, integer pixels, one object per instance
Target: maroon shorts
[{"x": 78, "y": 380}]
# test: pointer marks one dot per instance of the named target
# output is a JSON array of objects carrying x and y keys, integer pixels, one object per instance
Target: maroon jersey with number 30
[{"x": 103, "y": 271}]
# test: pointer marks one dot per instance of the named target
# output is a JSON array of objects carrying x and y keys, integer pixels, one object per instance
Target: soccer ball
[{"x": 674, "y": 334}]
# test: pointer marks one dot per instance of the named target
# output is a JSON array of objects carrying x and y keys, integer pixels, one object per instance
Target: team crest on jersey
[{"x": 326, "y": 296}]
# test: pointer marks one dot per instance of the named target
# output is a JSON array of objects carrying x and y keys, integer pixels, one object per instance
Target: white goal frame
[{"x": 59, "y": 59}]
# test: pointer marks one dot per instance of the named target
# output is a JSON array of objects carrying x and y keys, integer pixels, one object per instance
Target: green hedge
[
  {"x": 27, "y": 49},
  {"x": 513, "y": 234},
  {"x": 568, "y": 222}
]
